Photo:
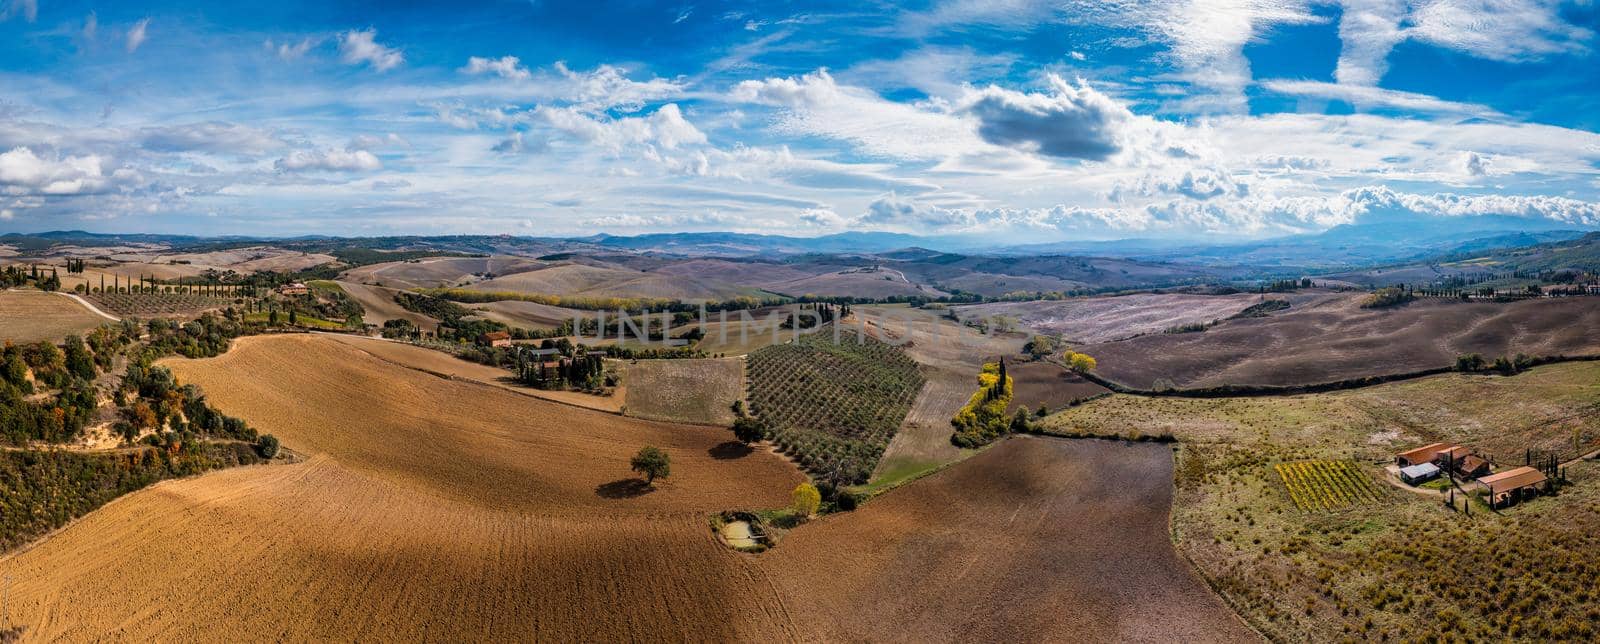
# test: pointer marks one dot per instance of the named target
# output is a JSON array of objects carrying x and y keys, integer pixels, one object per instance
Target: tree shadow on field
[
  {"x": 623, "y": 489},
  {"x": 730, "y": 450}
]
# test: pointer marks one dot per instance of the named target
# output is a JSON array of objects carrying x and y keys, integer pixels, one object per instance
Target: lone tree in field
[
  {"x": 806, "y": 500},
  {"x": 652, "y": 463},
  {"x": 748, "y": 430}
]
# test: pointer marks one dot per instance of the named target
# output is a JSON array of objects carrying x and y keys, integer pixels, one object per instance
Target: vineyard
[
  {"x": 157, "y": 304},
  {"x": 833, "y": 406},
  {"x": 1326, "y": 485}
]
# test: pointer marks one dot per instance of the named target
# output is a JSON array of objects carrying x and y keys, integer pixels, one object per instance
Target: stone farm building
[
  {"x": 293, "y": 289},
  {"x": 1512, "y": 485},
  {"x": 495, "y": 339}
]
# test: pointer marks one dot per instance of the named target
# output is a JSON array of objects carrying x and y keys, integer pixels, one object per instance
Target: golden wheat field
[{"x": 31, "y": 316}]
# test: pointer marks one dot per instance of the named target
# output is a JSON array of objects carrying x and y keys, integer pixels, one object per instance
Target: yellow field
[{"x": 31, "y": 316}]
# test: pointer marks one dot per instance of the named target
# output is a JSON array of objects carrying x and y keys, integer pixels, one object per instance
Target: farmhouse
[
  {"x": 1512, "y": 486},
  {"x": 495, "y": 339},
  {"x": 1472, "y": 467},
  {"x": 295, "y": 288},
  {"x": 1425, "y": 454}
]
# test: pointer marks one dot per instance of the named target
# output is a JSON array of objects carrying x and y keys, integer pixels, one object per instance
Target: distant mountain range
[{"x": 1375, "y": 239}]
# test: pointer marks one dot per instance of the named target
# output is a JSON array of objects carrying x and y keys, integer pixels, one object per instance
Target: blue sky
[{"x": 1005, "y": 120}]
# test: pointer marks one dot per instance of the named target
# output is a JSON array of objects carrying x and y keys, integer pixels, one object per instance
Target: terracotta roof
[
  {"x": 1512, "y": 479},
  {"x": 1471, "y": 463},
  {"x": 496, "y": 335},
  {"x": 1424, "y": 453},
  {"x": 1458, "y": 452}
]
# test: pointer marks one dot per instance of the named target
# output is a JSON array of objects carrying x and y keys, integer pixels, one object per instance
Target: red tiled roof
[{"x": 1513, "y": 479}]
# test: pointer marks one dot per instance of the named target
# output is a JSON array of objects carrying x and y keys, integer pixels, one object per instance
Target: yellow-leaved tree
[
  {"x": 806, "y": 499},
  {"x": 1078, "y": 362}
]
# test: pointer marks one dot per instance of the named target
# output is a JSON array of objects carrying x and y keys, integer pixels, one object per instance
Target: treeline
[
  {"x": 574, "y": 369},
  {"x": 1388, "y": 297},
  {"x": 43, "y": 490}
]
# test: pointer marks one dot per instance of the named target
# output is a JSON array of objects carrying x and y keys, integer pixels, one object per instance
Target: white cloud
[
  {"x": 91, "y": 27},
  {"x": 6, "y": 214},
  {"x": 665, "y": 128},
  {"x": 329, "y": 160},
  {"x": 893, "y": 212},
  {"x": 27, "y": 9},
  {"x": 505, "y": 66},
  {"x": 821, "y": 218},
  {"x": 607, "y": 87},
  {"x": 358, "y": 47},
  {"x": 1502, "y": 30},
  {"x": 815, "y": 104},
  {"x": 137, "y": 35},
  {"x": 517, "y": 143},
  {"x": 24, "y": 173},
  {"x": 1367, "y": 96},
  {"x": 289, "y": 52},
  {"x": 372, "y": 141},
  {"x": 1473, "y": 165}
]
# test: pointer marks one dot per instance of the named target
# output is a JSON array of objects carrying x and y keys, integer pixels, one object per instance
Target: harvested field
[
  {"x": 442, "y": 364},
  {"x": 250, "y": 260},
  {"x": 1046, "y": 384},
  {"x": 684, "y": 391},
  {"x": 462, "y": 512},
  {"x": 1102, "y": 319},
  {"x": 438, "y": 271},
  {"x": 437, "y": 509},
  {"x": 1035, "y": 540},
  {"x": 1332, "y": 338},
  {"x": 528, "y": 315},
  {"x": 31, "y": 316},
  {"x": 923, "y": 441},
  {"x": 590, "y": 281},
  {"x": 378, "y": 305}
]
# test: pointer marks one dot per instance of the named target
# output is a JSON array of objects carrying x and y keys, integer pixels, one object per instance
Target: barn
[
  {"x": 495, "y": 339},
  {"x": 1511, "y": 486},
  {"x": 1472, "y": 467},
  {"x": 1425, "y": 454}
]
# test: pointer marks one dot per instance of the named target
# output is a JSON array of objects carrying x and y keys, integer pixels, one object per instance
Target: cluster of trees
[
  {"x": 453, "y": 318},
  {"x": 15, "y": 275},
  {"x": 41, "y": 368},
  {"x": 1080, "y": 363},
  {"x": 1476, "y": 363},
  {"x": 1389, "y": 296},
  {"x": 983, "y": 419},
  {"x": 570, "y": 367},
  {"x": 820, "y": 313},
  {"x": 1040, "y": 347},
  {"x": 1286, "y": 286},
  {"x": 75, "y": 266}
]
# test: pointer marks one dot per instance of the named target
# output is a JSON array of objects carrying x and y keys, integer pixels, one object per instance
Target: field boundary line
[{"x": 1261, "y": 391}]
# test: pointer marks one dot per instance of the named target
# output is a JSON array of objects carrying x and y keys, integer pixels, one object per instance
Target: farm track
[{"x": 433, "y": 509}]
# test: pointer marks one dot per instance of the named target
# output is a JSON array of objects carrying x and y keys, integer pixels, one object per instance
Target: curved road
[{"x": 91, "y": 307}]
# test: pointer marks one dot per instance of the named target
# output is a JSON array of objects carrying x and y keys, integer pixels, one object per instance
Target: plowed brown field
[
  {"x": 1033, "y": 540},
  {"x": 435, "y": 509},
  {"x": 1330, "y": 337}
]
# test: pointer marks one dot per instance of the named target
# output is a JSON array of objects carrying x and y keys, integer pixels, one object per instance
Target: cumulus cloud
[
  {"x": 607, "y": 87},
  {"x": 136, "y": 35},
  {"x": 1070, "y": 122},
  {"x": 664, "y": 128},
  {"x": 22, "y": 172},
  {"x": 361, "y": 47},
  {"x": 891, "y": 211},
  {"x": 505, "y": 67},
  {"x": 331, "y": 160},
  {"x": 1473, "y": 165},
  {"x": 26, "y": 9}
]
